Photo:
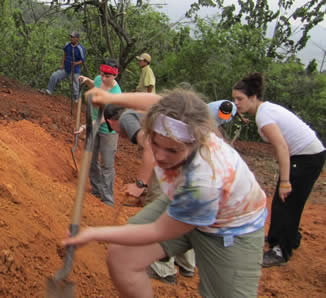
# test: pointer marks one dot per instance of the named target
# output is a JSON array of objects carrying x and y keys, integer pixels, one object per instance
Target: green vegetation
[{"x": 209, "y": 54}]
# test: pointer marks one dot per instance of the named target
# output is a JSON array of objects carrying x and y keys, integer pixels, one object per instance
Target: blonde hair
[{"x": 188, "y": 107}]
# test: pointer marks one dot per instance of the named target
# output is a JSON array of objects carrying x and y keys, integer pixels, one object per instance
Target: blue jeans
[
  {"x": 60, "y": 75},
  {"x": 102, "y": 171}
]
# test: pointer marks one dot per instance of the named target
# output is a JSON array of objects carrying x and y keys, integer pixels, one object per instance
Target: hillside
[{"x": 37, "y": 190}]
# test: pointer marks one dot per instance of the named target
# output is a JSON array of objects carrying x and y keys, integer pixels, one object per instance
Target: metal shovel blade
[{"x": 59, "y": 289}]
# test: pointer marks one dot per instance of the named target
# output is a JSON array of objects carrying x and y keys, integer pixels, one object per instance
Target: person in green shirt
[
  {"x": 102, "y": 173},
  {"x": 147, "y": 78}
]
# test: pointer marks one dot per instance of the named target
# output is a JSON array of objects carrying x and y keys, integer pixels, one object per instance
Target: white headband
[{"x": 167, "y": 126}]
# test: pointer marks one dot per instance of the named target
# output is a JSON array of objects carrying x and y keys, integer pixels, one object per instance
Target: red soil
[{"x": 37, "y": 191}]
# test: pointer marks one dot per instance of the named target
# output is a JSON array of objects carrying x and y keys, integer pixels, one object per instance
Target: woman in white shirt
[{"x": 300, "y": 155}]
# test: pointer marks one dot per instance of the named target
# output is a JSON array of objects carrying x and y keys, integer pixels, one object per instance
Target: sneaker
[
  {"x": 107, "y": 202},
  {"x": 96, "y": 194},
  {"x": 272, "y": 259},
  {"x": 186, "y": 273},
  {"x": 170, "y": 279},
  {"x": 45, "y": 91}
]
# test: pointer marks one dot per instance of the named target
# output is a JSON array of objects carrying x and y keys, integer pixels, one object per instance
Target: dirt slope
[{"x": 37, "y": 191}]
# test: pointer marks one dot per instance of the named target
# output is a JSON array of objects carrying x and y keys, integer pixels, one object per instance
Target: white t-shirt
[
  {"x": 231, "y": 204},
  {"x": 297, "y": 134}
]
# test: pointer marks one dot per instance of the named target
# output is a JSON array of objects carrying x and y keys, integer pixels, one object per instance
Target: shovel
[
  {"x": 72, "y": 79},
  {"x": 59, "y": 286},
  {"x": 237, "y": 134},
  {"x": 77, "y": 126}
]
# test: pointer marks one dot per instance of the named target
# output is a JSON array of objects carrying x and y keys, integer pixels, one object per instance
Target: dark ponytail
[
  {"x": 111, "y": 62},
  {"x": 253, "y": 84}
]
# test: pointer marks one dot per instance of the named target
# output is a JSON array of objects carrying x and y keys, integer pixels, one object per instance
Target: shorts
[{"x": 232, "y": 271}]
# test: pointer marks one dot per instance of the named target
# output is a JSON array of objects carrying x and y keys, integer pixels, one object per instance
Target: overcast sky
[
  {"x": 315, "y": 48},
  {"x": 177, "y": 8}
]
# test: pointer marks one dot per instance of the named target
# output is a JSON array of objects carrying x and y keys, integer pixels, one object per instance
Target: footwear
[
  {"x": 107, "y": 202},
  {"x": 186, "y": 273},
  {"x": 272, "y": 259},
  {"x": 96, "y": 194},
  {"x": 45, "y": 91},
  {"x": 170, "y": 279}
]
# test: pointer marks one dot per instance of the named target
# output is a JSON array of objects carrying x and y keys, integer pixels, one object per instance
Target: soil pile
[{"x": 37, "y": 191}]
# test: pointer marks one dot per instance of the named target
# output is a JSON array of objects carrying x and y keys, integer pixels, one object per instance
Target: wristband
[
  {"x": 83, "y": 126},
  {"x": 285, "y": 185}
]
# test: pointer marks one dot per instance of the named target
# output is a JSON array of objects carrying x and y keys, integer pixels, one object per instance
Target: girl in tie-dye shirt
[
  {"x": 227, "y": 202},
  {"x": 213, "y": 203}
]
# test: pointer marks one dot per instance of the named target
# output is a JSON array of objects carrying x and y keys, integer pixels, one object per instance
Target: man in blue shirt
[
  {"x": 74, "y": 56},
  {"x": 222, "y": 111}
]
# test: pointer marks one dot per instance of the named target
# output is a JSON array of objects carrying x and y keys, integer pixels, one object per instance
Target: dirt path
[{"x": 37, "y": 190}]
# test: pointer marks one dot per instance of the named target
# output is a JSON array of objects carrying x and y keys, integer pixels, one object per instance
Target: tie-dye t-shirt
[{"x": 231, "y": 203}]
